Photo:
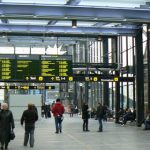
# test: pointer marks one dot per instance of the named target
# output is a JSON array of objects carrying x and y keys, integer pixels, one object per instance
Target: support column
[
  {"x": 75, "y": 101},
  {"x": 148, "y": 65},
  {"x": 139, "y": 78},
  {"x": 105, "y": 60},
  {"x": 86, "y": 72},
  {"x": 117, "y": 84},
  {"x": 75, "y": 83},
  {"x": 117, "y": 98}
]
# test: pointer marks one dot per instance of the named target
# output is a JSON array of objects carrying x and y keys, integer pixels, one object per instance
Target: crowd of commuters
[
  {"x": 126, "y": 115},
  {"x": 100, "y": 114},
  {"x": 46, "y": 111},
  {"x": 30, "y": 116}
]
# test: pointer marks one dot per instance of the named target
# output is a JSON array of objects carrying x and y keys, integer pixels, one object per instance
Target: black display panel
[
  {"x": 18, "y": 67},
  {"x": 27, "y": 68},
  {"x": 56, "y": 66}
]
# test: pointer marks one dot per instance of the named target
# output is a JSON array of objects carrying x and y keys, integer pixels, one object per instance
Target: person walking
[
  {"x": 6, "y": 125},
  {"x": 85, "y": 116},
  {"x": 58, "y": 111},
  {"x": 29, "y": 116},
  {"x": 100, "y": 115}
]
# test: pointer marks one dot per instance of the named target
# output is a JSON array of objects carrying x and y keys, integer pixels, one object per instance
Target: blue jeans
[
  {"x": 58, "y": 124},
  {"x": 29, "y": 131},
  {"x": 100, "y": 124},
  {"x": 85, "y": 124}
]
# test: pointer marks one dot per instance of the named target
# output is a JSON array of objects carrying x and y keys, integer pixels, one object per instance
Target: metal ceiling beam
[
  {"x": 73, "y": 2},
  {"x": 74, "y": 12},
  {"x": 147, "y": 5},
  {"x": 4, "y": 20},
  {"x": 65, "y": 30},
  {"x": 69, "y": 2}
]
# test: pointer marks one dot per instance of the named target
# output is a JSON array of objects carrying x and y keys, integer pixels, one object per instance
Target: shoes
[
  {"x": 2, "y": 148},
  {"x": 145, "y": 129},
  {"x": 87, "y": 130},
  {"x": 6, "y": 147},
  {"x": 100, "y": 131},
  {"x": 56, "y": 132}
]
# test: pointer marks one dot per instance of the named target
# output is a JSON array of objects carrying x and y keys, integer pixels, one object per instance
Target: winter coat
[
  {"x": 100, "y": 112},
  {"x": 6, "y": 125},
  {"x": 58, "y": 109},
  {"x": 30, "y": 117},
  {"x": 85, "y": 112}
]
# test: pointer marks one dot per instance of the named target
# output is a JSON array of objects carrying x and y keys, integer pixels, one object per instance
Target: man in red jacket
[{"x": 58, "y": 110}]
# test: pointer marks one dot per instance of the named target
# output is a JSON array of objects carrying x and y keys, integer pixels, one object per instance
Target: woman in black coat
[
  {"x": 85, "y": 116},
  {"x": 6, "y": 125}
]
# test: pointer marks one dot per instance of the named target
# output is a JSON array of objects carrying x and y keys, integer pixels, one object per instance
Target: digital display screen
[
  {"x": 17, "y": 67},
  {"x": 7, "y": 69},
  {"x": 27, "y": 68},
  {"x": 55, "y": 67}
]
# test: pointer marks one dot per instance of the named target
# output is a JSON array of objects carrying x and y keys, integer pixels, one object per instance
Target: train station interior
[{"x": 93, "y": 51}]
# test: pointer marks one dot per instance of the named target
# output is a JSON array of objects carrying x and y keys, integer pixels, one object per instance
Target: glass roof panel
[
  {"x": 63, "y": 23},
  {"x": 6, "y": 50},
  {"x": 51, "y": 2},
  {"x": 38, "y": 50},
  {"x": 22, "y": 50},
  {"x": 113, "y": 3},
  {"x": 28, "y": 22},
  {"x": 79, "y": 23}
]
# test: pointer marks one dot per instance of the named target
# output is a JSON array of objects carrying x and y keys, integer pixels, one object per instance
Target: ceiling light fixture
[
  {"x": 99, "y": 38},
  {"x": 74, "y": 23}
]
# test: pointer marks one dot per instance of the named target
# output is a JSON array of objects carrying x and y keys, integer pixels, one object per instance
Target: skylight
[
  {"x": 28, "y": 22},
  {"x": 22, "y": 50},
  {"x": 63, "y": 23},
  {"x": 79, "y": 23},
  {"x": 51, "y": 2},
  {"x": 6, "y": 50},
  {"x": 38, "y": 50},
  {"x": 113, "y": 3}
]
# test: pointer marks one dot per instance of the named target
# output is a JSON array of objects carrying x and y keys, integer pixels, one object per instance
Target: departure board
[
  {"x": 56, "y": 68},
  {"x": 17, "y": 67},
  {"x": 27, "y": 68},
  {"x": 6, "y": 69}
]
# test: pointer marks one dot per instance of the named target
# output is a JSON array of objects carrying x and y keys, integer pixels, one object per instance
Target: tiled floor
[{"x": 114, "y": 136}]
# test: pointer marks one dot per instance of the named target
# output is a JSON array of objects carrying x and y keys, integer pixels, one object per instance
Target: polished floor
[{"x": 114, "y": 137}]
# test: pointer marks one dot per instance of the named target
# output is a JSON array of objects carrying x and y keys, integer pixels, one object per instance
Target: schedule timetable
[{"x": 17, "y": 67}]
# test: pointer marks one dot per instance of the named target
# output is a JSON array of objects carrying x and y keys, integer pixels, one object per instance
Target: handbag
[{"x": 12, "y": 135}]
